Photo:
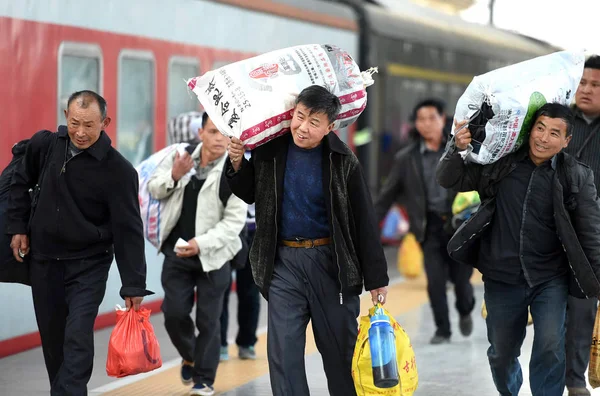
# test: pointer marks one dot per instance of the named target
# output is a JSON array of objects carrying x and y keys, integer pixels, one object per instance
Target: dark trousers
[
  {"x": 581, "y": 315},
  {"x": 304, "y": 287},
  {"x": 438, "y": 267},
  {"x": 248, "y": 306},
  {"x": 66, "y": 297},
  {"x": 506, "y": 322},
  {"x": 180, "y": 278}
]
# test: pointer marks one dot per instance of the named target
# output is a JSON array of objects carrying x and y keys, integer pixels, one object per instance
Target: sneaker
[
  {"x": 202, "y": 390},
  {"x": 579, "y": 392},
  {"x": 224, "y": 354},
  {"x": 247, "y": 353},
  {"x": 439, "y": 339},
  {"x": 187, "y": 372},
  {"x": 466, "y": 325}
]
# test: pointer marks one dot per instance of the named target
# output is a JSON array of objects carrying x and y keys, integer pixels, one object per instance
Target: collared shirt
[
  {"x": 202, "y": 172},
  {"x": 522, "y": 243},
  {"x": 437, "y": 196},
  {"x": 73, "y": 150}
]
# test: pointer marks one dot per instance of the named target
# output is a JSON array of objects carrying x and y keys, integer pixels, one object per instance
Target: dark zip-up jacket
[
  {"x": 576, "y": 210},
  {"x": 406, "y": 185},
  {"x": 585, "y": 144},
  {"x": 88, "y": 205},
  {"x": 357, "y": 252}
]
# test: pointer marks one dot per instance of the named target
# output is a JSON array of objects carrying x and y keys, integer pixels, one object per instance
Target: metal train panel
[{"x": 137, "y": 56}]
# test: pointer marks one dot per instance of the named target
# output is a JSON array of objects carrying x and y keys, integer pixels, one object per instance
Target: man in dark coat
[
  {"x": 87, "y": 212},
  {"x": 412, "y": 183},
  {"x": 585, "y": 147},
  {"x": 535, "y": 235},
  {"x": 316, "y": 242}
]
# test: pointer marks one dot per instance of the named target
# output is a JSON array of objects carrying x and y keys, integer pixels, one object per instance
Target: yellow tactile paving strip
[{"x": 402, "y": 297}]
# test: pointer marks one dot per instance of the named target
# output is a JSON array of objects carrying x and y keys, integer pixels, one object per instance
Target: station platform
[{"x": 458, "y": 368}]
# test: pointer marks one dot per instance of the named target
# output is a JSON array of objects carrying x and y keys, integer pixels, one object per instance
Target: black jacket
[
  {"x": 576, "y": 210},
  {"x": 358, "y": 253},
  {"x": 86, "y": 206},
  {"x": 406, "y": 185}
]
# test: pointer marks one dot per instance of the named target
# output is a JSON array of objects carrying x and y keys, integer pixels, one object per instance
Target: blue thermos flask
[{"x": 383, "y": 350}]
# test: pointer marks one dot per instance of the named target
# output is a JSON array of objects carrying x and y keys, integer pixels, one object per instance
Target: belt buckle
[{"x": 303, "y": 241}]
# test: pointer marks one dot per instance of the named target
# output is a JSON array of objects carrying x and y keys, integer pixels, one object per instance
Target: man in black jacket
[
  {"x": 539, "y": 216},
  {"x": 87, "y": 210},
  {"x": 316, "y": 240},
  {"x": 585, "y": 147},
  {"x": 412, "y": 182}
]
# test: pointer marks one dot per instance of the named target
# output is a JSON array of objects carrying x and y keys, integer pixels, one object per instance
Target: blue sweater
[{"x": 304, "y": 212}]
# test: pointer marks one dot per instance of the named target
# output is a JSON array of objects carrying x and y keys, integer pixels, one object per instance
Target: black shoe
[
  {"x": 439, "y": 339},
  {"x": 579, "y": 391},
  {"x": 187, "y": 372},
  {"x": 466, "y": 325}
]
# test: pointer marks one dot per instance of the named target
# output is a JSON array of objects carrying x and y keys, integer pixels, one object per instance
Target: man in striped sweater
[{"x": 585, "y": 146}]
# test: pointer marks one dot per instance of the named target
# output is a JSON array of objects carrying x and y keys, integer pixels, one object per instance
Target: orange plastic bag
[{"x": 133, "y": 347}]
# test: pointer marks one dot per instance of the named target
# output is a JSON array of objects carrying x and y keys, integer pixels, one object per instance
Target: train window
[
  {"x": 79, "y": 68},
  {"x": 135, "y": 123},
  {"x": 450, "y": 60},
  {"x": 434, "y": 55},
  {"x": 219, "y": 63},
  {"x": 180, "y": 99},
  {"x": 438, "y": 89}
]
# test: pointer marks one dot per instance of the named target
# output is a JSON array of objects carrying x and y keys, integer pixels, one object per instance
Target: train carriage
[{"x": 137, "y": 53}]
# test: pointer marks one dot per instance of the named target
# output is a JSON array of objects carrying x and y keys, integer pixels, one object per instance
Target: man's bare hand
[
  {"x": 236, "y": 153},
  {"x": 462, "y": 138},
  {"x": 133, "y": 302},
  {"x": 20, "y": 246},
  {"x": 379, "y": 295},
  {"x": 181, "y": 165},
  {"x": 188, "y": 251}
]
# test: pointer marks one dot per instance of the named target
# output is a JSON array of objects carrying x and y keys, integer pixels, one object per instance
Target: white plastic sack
[
  {"x": 253, "y": 99},
  {"x": 515, "y": 93},
  {"x": 150, "y": 208}
]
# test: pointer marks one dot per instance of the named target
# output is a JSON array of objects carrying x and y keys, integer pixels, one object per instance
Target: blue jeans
[{"x": 506, "y": 322}]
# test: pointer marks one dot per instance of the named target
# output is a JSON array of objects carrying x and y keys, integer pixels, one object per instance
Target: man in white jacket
[{"x": 198, "y": 209}]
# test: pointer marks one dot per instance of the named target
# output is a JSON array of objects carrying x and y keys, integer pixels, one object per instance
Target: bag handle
[{"x": 35, "y": 191}]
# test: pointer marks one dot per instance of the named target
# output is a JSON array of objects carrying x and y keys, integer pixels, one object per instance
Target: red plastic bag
[{"x": 133, "y": 347}]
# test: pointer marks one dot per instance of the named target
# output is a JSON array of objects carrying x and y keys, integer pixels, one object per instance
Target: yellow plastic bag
[
  {"x": 410, "y": 257},
  {"x": 594, "y": 369},
  {"x": 464, "y": 200},
  {"x": 362, "y": 372},
  {"x": 484, "y": 314}
]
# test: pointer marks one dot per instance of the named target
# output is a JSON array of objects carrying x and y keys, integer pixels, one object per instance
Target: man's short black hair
[
  {"x": 88, "y": 97},
  {"x": 429, "y": 102},
  {"x": 204, "y": 119},
  {"x": 593, "y": 62},
  {"x": 319, "y": 100},
  {"x": 557, "y": 110}
]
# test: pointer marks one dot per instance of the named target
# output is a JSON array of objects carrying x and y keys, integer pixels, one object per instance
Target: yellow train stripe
[{"x": 399, "y": 70}]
